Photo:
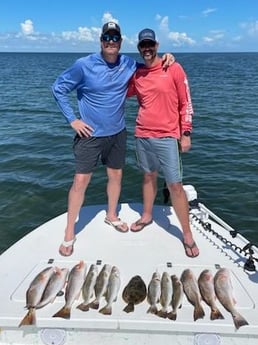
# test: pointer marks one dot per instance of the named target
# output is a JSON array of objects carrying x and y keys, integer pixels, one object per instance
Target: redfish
[{"x": 224, "y": 292}]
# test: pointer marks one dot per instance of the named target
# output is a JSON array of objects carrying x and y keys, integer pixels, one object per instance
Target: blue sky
[{"x": 181, "y": 26}]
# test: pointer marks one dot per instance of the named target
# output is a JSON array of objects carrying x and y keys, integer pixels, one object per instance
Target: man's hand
[
  {"x": 81, "y": 128},
  {"x": 185, "y": 143},
  {"x": 167, "y": 60}
]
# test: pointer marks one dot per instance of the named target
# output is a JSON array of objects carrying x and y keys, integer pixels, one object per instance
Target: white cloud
[
  {"x": 164, "y": 24},
  {"x": 208, "y": 11},
  {"x": 177, "y": 38},
  {"x": 27, "y": 27},
  {"x": 180, "y": 38},
  {"x": 208, "y": 39},
  {"x": 214, "y": 36},
  {"x": 253, "y": 28},
  {"x": 88, "y": 34},
  {"x": 107, "y": 17},
  {"x": 82, "y": 34}
]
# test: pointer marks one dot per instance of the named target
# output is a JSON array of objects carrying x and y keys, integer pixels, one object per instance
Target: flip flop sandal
[
  {"x": 190, "y": 246},
  {"x": 117, "y": 224},
  {"x": 67, "y": 244},
  {"x": 141, "y": 225}
]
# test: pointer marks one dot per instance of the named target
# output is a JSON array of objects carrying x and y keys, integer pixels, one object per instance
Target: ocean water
[{"x": 36, "y": 160}]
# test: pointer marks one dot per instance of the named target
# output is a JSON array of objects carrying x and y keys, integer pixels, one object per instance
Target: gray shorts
[
  {"x": 160, "y": 154},
  {"x": 111, "y": 150}
]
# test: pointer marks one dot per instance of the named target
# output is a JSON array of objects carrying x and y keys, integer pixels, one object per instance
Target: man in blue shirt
[{"x": 101, "y": 82}]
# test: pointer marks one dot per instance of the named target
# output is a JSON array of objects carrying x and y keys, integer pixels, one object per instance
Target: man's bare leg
[
  {"x": 75, "y": 201},
  {"x": 149, "y": 191},
  {"x": 180, "y": 205},
  {"x": 113, "y": 194}
]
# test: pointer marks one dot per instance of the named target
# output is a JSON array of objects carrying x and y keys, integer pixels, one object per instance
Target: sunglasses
[
  {"x": 147, "y": 44},
  {"x": 108, "y": 38}
]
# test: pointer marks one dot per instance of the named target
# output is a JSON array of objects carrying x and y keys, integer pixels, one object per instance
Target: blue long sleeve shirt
[{"x": 101, "y": 91}]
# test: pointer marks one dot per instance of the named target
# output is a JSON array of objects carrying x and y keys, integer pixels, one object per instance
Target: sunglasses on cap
[
  {"x": 147, "y": 44},
  {"x": 108, "y": 38}
]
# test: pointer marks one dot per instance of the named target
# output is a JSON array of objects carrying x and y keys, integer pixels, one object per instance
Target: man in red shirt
[{"x": 163, "y": 131}]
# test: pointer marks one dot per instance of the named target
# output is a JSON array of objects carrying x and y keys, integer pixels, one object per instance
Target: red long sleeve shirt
[{"x": 165, "y": 107}]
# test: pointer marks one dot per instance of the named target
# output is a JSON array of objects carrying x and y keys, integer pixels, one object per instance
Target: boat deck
[{"x": 157, "y": 248}]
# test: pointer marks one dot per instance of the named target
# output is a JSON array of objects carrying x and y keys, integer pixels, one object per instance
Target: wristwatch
[{"x": 187, "y": 133}]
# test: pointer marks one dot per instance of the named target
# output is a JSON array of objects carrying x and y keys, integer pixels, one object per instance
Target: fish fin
[
  {"x": 239, "y": 320},
  {"x": 172, "y": 315},
  {"x": 106, "y": 310},
  {"x": 65, "y": 313},
  {"x": 198, "y": 313},
  {"x": 216, "y": 314},
  {"x": 152, "y": 309},
  {"x": 162, "y": 313},
  {"x": 83, "y": 307},
  {"x": 29, "y": 318},
  {"x": 94, "y": 305},
  {"x": 129, "y": 308}
]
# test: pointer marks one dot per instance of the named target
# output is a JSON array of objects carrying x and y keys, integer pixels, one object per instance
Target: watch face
[{"x": 187, "y": 133}]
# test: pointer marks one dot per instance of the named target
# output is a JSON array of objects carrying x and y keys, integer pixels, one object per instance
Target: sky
[{"x": 180, "y": 26}]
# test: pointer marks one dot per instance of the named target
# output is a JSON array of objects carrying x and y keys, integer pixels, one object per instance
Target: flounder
[{"x": 134, "y": 293}]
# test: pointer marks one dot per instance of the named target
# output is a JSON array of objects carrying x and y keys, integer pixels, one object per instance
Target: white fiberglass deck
[{"x": 157, "y": 247}]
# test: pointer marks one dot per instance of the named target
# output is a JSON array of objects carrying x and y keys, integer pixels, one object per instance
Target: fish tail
[
  {"x": 152, "y": 309},
  {"x": 129, "y": 308},
  {"x": 65, "y": 313},
  {"x": 198, "y": 312},
  {"x": 107, "y": 310},
  {"x": 239, "y": 320},
  {"x": 29, "y": 318},
  {"x": 162, "y": 313},
  {"x": 94, "y": 305},
  {"x": 216, "y": 314},
  {"x": 83, "y": 307},
  {"x": 172, "y": 315}
]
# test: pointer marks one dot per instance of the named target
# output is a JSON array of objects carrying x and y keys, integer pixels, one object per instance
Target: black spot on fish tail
[
  {"x": 239, "y": 321},
  {"x": 216, "y": 314}
]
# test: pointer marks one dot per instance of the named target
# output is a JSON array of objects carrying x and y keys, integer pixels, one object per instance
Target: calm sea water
[{"x": 36, "y": 161}]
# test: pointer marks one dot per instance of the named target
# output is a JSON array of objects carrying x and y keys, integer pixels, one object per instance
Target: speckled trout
[
  {"x": 166, "y": 294},
  {"x": 153, "y": 295},
  {"x": 113, "y": 287},
  {"x": 88, "y": 287},
  {"x": 177, "y": 297},
  {"x": 101, "y": 285}
]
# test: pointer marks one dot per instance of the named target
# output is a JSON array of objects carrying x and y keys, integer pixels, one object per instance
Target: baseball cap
[
  {"x": 111, "y": 26},
  {"x": 146, "y": 34}
]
